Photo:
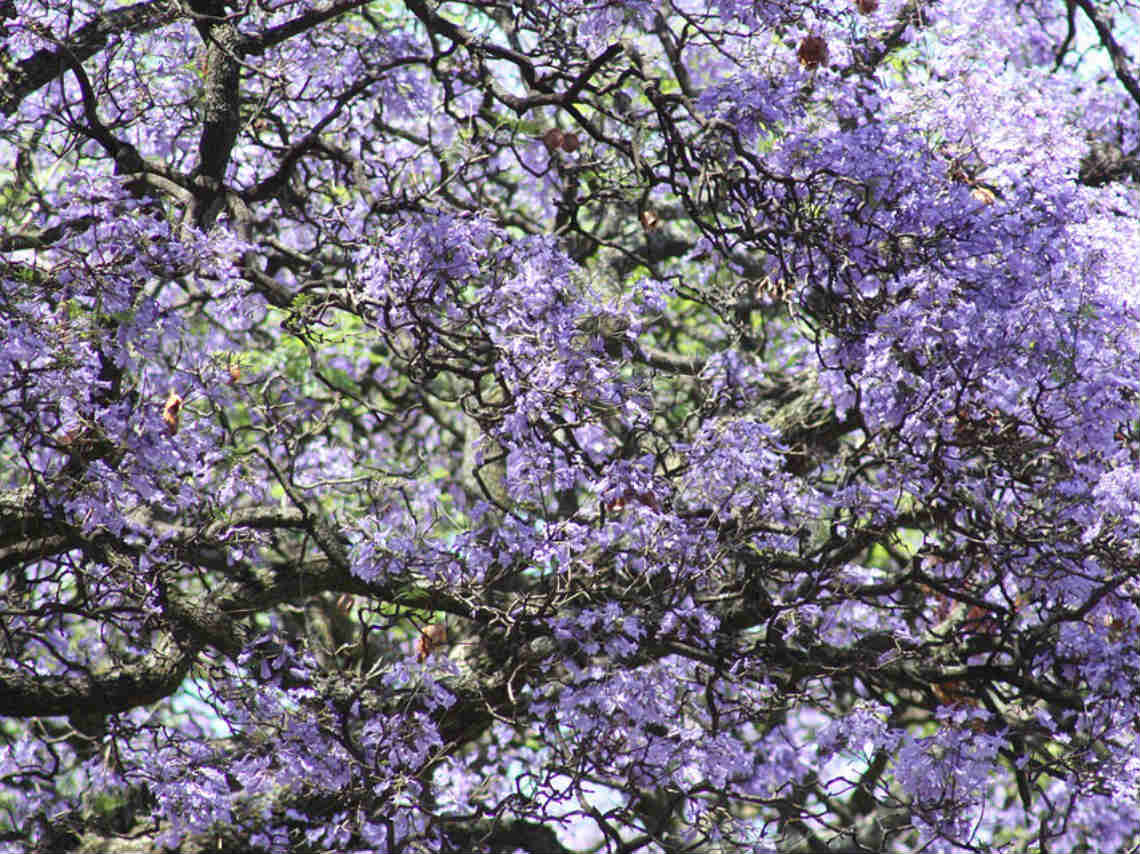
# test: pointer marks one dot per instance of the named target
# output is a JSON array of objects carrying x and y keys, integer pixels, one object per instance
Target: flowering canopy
[{"x": 590, "y": 425}]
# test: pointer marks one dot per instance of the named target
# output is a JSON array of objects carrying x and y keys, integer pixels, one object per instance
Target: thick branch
[
  {"x": 1120, "y": 60},
  {"x": 220, "y": 109},
  {"x": 25, "y": 693},
  {"x": 47, "y": 64}
]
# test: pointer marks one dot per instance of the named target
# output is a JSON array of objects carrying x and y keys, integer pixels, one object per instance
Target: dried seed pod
[
  {"x": 570, "y": 142},
  {"x": 983, "y": 195},
  {"x": 431, "y": 638},
  {"x": 170, "y": 412},
  {"x": 812, "y": 52},
  {"x": 866, "y": 7},
  {"x": 552, "y": 139}
]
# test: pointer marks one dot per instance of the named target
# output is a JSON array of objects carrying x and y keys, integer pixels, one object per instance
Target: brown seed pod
[
  {"x": 986, "y": 197},
  {"x": 431, "y": 638},
  {"x": 570, "y": 142},
  {"x": 171, "y": 411},
  {"x": 552, "y": 139},
  {"x": 866, "y": 7},
  {"x": 812, "y": 52}
]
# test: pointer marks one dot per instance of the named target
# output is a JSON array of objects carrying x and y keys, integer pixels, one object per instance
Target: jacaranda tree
[{"x": 587, "y": 425}]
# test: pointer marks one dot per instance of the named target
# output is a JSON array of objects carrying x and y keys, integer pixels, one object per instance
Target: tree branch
[{"x": 47, "y": 64}]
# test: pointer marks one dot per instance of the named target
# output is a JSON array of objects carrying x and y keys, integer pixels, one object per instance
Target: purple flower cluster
[{"x": 569, "y": 427}]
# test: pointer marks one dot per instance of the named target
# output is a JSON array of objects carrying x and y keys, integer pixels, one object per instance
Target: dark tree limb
[{"x": 45, "y": 65}]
